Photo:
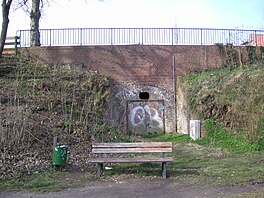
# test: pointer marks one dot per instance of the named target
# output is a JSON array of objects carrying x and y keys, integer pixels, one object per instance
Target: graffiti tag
[{"x": 146, "y": 115}]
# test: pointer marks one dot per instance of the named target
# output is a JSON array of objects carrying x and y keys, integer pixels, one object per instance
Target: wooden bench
[{"x": 131, "y": 148}]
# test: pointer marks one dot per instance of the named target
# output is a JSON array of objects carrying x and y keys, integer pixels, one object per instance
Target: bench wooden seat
[{"x": 102, "y": 149}]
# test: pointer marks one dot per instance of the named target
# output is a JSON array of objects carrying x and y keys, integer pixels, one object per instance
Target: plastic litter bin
[{"x": 59, "y": 155}]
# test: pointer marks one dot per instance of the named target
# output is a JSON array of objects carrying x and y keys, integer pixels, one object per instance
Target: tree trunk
[
  {"x": 6, "y": 4},
  {"x": 34, "y": 23}
]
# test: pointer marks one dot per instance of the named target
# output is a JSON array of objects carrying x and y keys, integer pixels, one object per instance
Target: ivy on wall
[
  {"x": 234, "y": 56},
  {"x": 229, "y": 54},
  {"x": 252, "y": 58}
]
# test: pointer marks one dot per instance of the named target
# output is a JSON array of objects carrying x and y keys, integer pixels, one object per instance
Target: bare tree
[
  {"x": 6, "y": 4},
  {"x": 34, "y": 23},
  {"x": 33, "y": 9},
  {"x": 35, "y": 15},
  {"x": 34, "y": 12}
]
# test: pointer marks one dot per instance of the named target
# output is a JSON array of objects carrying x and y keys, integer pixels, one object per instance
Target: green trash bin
[{"x": 59, "y": 155}]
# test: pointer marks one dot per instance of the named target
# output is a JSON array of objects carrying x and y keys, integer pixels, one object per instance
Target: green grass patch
[
  {"x": 176, "y": 138},
  {"x": 230, "y": 96},
  {"x": 41, "y": 182},
  {"x": 205, "y": 163},
  {"x": 198, "y": 164},
  {"x": 217, "y": 136},
  {"x": 214, "y": 166}
]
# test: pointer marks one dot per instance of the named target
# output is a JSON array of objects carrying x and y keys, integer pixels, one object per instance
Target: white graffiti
[
  {"x": 126, "y": 94},
  {"x": 159, "y": 92},
  {"x": 145, "y": 115},
  {"x": 137, "y": 115}
]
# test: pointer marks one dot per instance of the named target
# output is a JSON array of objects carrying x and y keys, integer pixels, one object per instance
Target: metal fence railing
[{"x": 143, "y": 36}]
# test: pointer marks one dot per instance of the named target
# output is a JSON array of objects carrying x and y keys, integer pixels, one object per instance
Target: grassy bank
[
  {"x": 231, "y": 97},
  {"x": 194, "y": 163}
]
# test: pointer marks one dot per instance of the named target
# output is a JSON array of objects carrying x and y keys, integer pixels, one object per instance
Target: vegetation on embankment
[
  {"x": 38, "y": 102},
  {"x": 232, "y": 98}
]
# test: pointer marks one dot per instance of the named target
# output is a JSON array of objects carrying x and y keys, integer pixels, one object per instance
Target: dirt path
[{"x": 143, "y": 187}]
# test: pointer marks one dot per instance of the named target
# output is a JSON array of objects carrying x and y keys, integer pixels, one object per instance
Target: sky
[{"x": 242, "y": 14}]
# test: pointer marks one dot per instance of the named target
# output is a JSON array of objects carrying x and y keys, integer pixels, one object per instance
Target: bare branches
[
  {"x": 26, "y": 5},
  {"x": 22, "y": 4}
]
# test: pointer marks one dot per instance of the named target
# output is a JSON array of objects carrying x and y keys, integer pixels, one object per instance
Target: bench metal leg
[
  {"x": 99, "y": 169},
  {"x": 164, "y": 170}
]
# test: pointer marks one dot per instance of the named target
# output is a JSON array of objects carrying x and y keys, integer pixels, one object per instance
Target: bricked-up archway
[
  {"x": 141, "y": 116},
  {"x": 139, "y": 68}
]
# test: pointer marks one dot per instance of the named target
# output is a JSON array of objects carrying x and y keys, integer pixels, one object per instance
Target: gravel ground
[{"x": 143, "y": 187}]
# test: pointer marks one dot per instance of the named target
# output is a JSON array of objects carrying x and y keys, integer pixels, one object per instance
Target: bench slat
[
  {"x": 128, "y": 160},
  {"x": 138, "y": 144},
  {"x": 131, "y": 150}
]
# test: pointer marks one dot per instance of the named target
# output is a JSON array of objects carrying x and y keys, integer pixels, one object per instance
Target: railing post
[
  {"x": 81, "y": 36},
  {"x": 111, "y": 35},
  {"x": 201, "y": 36},
  {"x": 256, "y": 38},
  {"x": 172, "y": 35},
  {"x": 142, "y": 35},
  {"x": 50, "y": 37},
  {"x": 16, "y": 45},
  {"x": 229, "y": 35},
  {"x": 129, "y": 40},
  {"x": 19, "y": 37}
]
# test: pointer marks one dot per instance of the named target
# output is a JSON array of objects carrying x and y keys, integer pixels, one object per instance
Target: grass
[
  {"x": 218, "y": 159},
  {"x": 168, "y": 138},
  {"x": 41, "y": 182},
  {"x": 196, "y": 164},
  {"x": 230, "y": 96},
  {"x": 218, "y": 136}
]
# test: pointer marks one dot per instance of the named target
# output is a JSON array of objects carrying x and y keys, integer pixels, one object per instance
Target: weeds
[
  {"x": 259, "y": 133},
  {"x": 39, "y": 102},
  {"x": 232, "y": 97}
]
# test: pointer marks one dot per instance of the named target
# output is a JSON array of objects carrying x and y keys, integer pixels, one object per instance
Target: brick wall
[{"x": 140, "y": 68}]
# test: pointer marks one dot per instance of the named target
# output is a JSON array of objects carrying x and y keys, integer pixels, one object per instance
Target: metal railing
[{"x": 143, "y": 36}]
